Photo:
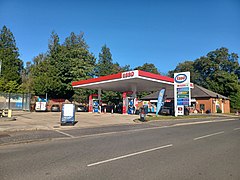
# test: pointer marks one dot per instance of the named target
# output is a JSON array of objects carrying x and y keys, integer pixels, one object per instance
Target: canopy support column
[{"x": 100, "y": 100}]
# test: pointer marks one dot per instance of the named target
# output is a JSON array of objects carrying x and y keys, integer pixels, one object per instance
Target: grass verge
[{"x": 151, "y": 117}]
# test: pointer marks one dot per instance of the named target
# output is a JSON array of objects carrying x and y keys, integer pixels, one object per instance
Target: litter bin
[{"x": 142, "y": 114}]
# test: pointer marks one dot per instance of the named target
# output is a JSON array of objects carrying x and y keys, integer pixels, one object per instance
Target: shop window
[{"x": 202, "y": 107}]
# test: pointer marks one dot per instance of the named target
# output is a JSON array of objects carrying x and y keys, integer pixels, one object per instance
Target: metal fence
[{"x": 15, "y": 101}]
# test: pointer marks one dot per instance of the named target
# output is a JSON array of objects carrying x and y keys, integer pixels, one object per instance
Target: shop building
[{"x": 202, "y": 100}]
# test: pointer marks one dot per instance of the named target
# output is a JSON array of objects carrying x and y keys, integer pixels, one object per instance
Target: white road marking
[
  {"x": 129, "y": 155},
  {"x": 202, "y": 122},
  {"x": 209, "y": 135},
  {"x": 236, "y": 129},
  {"x": 137, "y": 130},
  {"x": 119, "y": 132},
  {"x": 66, "y": 134}
]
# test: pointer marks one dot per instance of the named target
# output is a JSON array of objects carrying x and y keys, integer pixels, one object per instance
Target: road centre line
[
  {"x": 236, "y": 129},
  {"x": 66, "y": 134},
  {"x": 116, "y": 132},
  {"x": 209, "y": 135},
  {"x": 138, "y": 130},
  {"x": 152, "y": 128},
  {"x": 202, "y": 122},
  {"x": 129, "y": 155}
]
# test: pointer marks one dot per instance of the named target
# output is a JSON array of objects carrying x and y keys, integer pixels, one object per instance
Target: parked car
[
  {"x": 81, "y": 108},
  {"x": 55, "y": 108},
  {"x": 168, "y": 109}
]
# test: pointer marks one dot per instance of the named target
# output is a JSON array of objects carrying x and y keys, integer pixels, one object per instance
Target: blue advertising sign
[{"x": 160, "y": 100}]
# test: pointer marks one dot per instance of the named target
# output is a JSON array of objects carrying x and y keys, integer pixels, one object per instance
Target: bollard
[
  {"x": 142, "y": 114},
  {"x": 3, "y": 113},
  {"x": 9, "y": 113}
]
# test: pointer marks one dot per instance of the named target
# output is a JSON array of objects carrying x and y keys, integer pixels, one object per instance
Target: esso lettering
[
  {"x": 128, "y": 74},
  {"x": 180, "y": 78}
]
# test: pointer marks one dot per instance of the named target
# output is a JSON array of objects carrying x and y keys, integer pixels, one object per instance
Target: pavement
[
  {"x": 25, "y": 127},
  {"x": 22, "y": 120}
]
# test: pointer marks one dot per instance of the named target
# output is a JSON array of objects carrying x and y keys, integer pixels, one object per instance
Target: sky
[{"x": 162, "y": 32}]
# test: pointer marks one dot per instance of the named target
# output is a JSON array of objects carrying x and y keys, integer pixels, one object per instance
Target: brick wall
[{"x": 210, "y": 104}]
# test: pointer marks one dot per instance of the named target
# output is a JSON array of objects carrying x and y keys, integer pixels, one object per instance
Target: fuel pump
[
  {"x": 130, "y": 105},
  {"x": 95, "y": 105}
]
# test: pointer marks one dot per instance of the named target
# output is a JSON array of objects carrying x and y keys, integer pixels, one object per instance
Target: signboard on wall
[{"x": 182, "y": 93}]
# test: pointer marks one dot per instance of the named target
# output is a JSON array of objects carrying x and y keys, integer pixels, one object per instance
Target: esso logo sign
[
  {"x": 128, "y": 74},
  {"x": 180, "y": 78}
]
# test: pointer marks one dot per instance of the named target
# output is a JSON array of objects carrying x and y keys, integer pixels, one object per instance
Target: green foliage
[
  {"x": 219, "y": 110},
  {"x": 218, "y": 71},
  {"x": 11, "y": 65},
  {"x": 184, "y": 67},
  {"x": 53, "y": 72},
  {"x": 105, "y": 66},
  {"x": 148, "y": 67},
  {"x": 11, "y": 86},
  {"x": 27, "y": 81}
]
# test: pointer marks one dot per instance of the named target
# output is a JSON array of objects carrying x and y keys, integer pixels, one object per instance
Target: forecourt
[{"x": 129, "y": 82}]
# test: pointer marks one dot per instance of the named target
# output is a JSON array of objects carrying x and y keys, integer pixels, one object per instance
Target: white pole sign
[{"x": 182, "y": 93}]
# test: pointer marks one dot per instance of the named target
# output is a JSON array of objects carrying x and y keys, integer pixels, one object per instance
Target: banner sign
[
  {"x": 68, "y": 114},
  {"x": 160, "y": 100},
  {"x": 182, "y": 93}
]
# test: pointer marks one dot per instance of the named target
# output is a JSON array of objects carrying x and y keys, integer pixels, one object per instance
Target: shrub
[
  {"x": 219, "y": 110},
  {"x": 208, "y": 111}
]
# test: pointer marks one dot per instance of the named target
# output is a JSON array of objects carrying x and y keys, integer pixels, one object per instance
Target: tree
[
  {"x": 148, "y": 67},
  {"x": 53, "y": 43},
  {"x": 11, "y": 86},
  {"x": 105, "y": 63},
  {"x": 105, "y": 66},
  {"x": 218, "y": 71},
  {"x": 76, "y": 41},
  {"x": 43, "y": 78},
  {"x": 11, "y": 65},
  {"x": 54, "y": 71},
  {"x": 27, "y": 81},
  {"x": 183, "y": 67},
  {"x": 126, "y": 68}
]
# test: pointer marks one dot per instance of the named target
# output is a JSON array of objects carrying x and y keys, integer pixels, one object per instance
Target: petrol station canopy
[{"x": 136, "y": 80}]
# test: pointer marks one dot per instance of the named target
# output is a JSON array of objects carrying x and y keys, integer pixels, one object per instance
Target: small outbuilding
[{"x": 202, "y": 100}]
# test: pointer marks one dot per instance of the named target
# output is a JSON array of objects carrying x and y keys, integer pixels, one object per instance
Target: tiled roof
[{"x": 196, "y": 92}]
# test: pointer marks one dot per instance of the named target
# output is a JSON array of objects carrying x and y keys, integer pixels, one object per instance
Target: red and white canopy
[{"x": 136, "y": 80}]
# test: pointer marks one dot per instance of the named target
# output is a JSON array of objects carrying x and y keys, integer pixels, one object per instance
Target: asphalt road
[{"x": 197, "y": 151}]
